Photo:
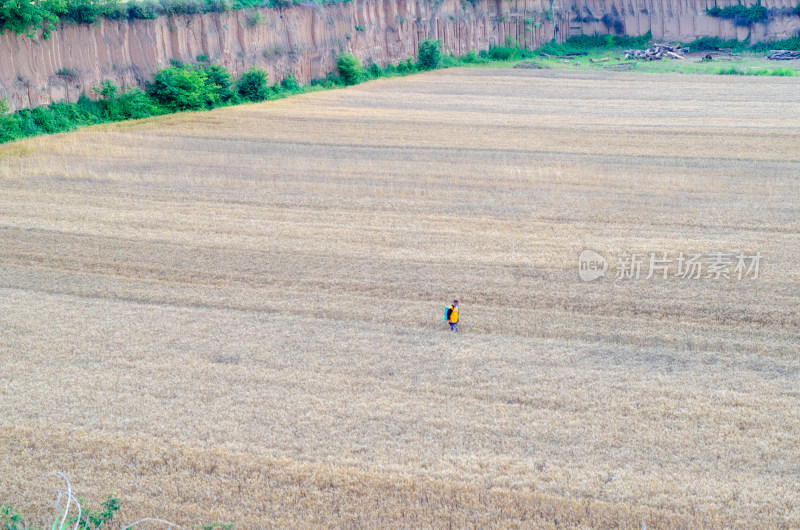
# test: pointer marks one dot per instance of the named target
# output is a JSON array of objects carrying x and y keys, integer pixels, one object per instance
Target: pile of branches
[
  {"x": 783, "y": 55},
  {"x": 656, "y": 53}
]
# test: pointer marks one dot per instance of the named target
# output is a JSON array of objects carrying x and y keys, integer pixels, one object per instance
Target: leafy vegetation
[
  {"x": 27, "y": 16},
  {"x": 179, "y": 88},
  {"x": 206, "y": 85},
  {"x": 9, "y": 519},
  {"x": 430, "y": 54},
  {"x": 512, "y": 51},
  {"x": 67, "y": 74},
  {"x": 739, "y": 14},
  {"x": 716, "y": 43},
  {"x": 585, "y": 42},
  {"x": 252, "y": 86},
  {"x": 350, "y": 69},
  {"x": 792, "y": 43}
]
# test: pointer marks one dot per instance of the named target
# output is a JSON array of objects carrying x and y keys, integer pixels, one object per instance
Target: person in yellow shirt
[{"x": 452, "y": 316}]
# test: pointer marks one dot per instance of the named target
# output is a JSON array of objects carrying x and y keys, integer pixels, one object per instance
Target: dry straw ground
[{"x": 232, "y": 315}]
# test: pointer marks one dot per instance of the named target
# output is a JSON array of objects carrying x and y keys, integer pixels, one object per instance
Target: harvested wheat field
[{"x": 235, "y": 315}]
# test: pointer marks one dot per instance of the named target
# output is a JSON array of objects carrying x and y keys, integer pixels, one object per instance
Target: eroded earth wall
[{"x": 306, "y": 39}]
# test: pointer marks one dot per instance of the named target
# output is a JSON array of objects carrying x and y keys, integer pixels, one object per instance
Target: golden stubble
[{"x": 233, "y": 315}]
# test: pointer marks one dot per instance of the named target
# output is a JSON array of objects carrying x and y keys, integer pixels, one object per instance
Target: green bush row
[
  {"x": 739, "y": 14},
  {"x": 512, "y": 51},
  {"x": 27, "y": 16},
  {"x": 180, "y": 87},
  {"x": 716, "y": 43},
  {"x": 205, "y": 85},
  {"x": 200, "y": 86}
]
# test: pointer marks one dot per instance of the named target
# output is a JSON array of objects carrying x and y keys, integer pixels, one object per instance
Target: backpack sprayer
[{"x": 446, "y": 320}]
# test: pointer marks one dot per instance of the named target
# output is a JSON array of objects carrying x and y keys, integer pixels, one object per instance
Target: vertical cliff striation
[{"x": 305, "y": 40}]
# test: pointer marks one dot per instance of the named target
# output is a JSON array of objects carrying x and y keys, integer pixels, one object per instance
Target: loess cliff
[{"x": 305, "y": 40}]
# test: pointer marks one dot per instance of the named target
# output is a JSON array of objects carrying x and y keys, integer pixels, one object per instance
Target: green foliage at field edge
[
  {"x": 350, "y": 69},
  {"x": 716, "y": 43},
  {"x": 512, "y": 51},
  {"x": 430, "y": 54},
  {"x": 206, "y": 85}
]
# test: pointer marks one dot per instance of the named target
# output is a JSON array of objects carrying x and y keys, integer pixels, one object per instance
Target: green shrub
[
  {"x": 9, "y": 519},
  {"x": 82, "y": 11},
  {"x": 57, "y": 117},
  {"x": 290, "y": 84},
  {"x": 220, "y": 81},
  {"x": 252, "y": 86},
  {"x": 181, "y": 7},
  {"x": 502, "y": 53},
  {"x": 350, "y": 69},
  {"x": 134, "y": 104},
  {"x": 404, "y": 67},
  {"x": 45, "y": 120},
  {"x": 374, "y": 71},
  {"x": 448, "y": 61},
  {"x": 107, "y": 90},
  {"x": 183, "y": 88},
  {"x": 26, "y": 16},
  {"x": 67, "y": 74},
  {"x": 145, "y": 10},
  {"x": 792, "y": 43},
  {"x": 254, "y": 18},
  {"x": 90, "y": 519},
  {"x": 470, "y": 57},
  {"x": 429, "y": 54}
]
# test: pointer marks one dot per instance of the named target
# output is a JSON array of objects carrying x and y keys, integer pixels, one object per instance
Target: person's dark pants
[{"x": 454, "y": 326}]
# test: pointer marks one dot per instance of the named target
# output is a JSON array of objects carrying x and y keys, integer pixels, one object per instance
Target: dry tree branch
[{"x": 70, "y": 497}]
